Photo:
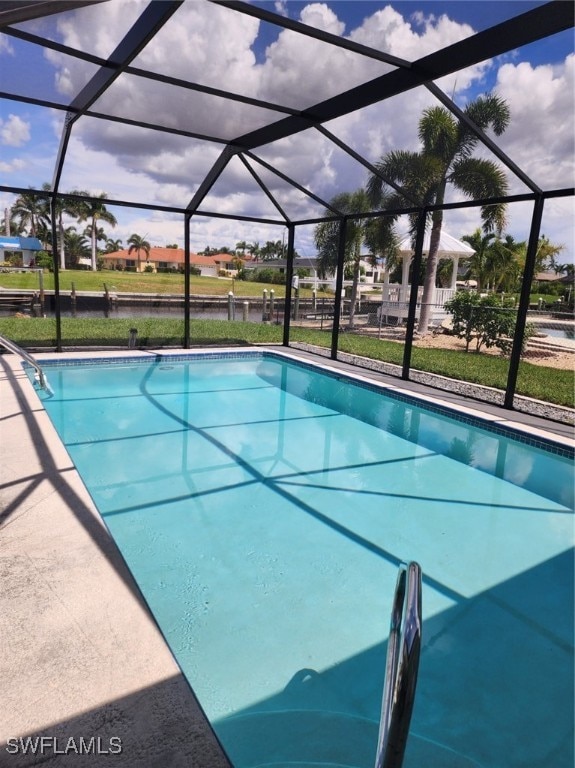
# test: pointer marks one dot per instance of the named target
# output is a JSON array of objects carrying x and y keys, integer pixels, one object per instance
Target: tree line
[{"x": 30, "y": 215}]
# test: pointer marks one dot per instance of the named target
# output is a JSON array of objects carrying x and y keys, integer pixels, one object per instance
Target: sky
[{"x": 219, "y": 48}]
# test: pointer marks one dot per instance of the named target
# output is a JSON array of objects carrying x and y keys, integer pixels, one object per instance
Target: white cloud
[
  {"x": 14, "y": 132},
  {"x": 540, "y": 137},
  {"x": 5, "y": 46},
  {"x": 15, "y": 165}
]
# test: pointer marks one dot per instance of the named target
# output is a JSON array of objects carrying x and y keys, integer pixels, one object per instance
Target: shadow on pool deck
[
  {"x": 82, "y": 655},
  {"x": 153, "y": 726}
]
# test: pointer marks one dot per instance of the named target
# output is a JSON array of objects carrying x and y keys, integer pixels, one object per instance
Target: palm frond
[{"x": 438, "y": 132}]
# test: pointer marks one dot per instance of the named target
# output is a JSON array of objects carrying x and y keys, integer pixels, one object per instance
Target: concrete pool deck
[
  {"x": 82, "y": 659},
  {"x": 83, "y": 663}
]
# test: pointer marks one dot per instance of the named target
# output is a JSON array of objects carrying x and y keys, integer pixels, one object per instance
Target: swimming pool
[
  {"x": 263, "y": 509},
  {"x": 559, "y": 333}
]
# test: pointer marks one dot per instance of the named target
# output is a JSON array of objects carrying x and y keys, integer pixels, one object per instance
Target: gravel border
[{"x": 476, "y": 391}]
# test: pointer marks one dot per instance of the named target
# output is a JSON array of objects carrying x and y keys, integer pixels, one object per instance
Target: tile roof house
[{"x": 170, "y": 259}]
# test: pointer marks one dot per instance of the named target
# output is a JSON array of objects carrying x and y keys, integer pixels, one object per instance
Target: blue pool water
[
  {"x": 559, "y": 333},
  {"x": 263, "y": 509}
]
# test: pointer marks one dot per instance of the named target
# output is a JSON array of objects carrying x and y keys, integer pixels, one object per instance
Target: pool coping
[{"x": 62, "y": 676}]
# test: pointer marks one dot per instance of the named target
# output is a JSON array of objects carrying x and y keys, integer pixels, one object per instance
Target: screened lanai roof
[{"x": 228, "y": 109}]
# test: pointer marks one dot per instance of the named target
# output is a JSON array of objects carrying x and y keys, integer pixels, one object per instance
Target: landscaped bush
[
  {"x": 263, "y": 275},
  {"x": 485, "y": 320}
]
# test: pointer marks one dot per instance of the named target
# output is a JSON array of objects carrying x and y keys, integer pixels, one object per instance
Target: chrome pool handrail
[
  {"x": 401, "y": 668},
  {"x": 11, "y": 346}
]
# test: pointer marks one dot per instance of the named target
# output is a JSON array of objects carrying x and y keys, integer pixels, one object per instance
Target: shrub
[
  {"x": 44, "y": 260},
  {"x": 266, "y": 275},
  {"x": 489, "y": 320}
]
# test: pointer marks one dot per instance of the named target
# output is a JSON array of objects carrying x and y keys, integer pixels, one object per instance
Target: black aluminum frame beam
[
  {"x": 25, "y": 10},
  {"x": 543, "y": 21},
  {"x": 148, "y": 74},
  {"x": 115, "y": 118},
  {"x": 264, "y": 188},
  {"x": 292, "y": 183},
  {"x": 150, "y": 21},
  {"x": 318, "y": 34}
]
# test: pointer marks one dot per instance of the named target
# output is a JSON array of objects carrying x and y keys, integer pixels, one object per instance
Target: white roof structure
[{"x": 448, "y": 245}]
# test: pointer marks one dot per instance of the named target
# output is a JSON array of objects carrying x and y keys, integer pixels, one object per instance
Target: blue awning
[{"x": 20, "y": 244}]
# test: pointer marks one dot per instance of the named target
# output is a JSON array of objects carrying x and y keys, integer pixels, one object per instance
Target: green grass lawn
[{"x": 548, "y": 384}]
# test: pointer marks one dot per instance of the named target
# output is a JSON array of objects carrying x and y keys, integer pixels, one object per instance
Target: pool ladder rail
[
  {"x": 401, "y": 668},
  {"x": 39, "y": 376}
]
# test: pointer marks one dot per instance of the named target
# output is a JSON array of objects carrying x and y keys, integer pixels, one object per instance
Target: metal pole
[
  {"x": 289, "y": 276},
  {"x": 187, "y": 273},
  {"x": 338, "y": 287},
  {"x": 417, "y": 257},
  {"x": 57, "y": 308},
  {"x": 523, "y": 302}
]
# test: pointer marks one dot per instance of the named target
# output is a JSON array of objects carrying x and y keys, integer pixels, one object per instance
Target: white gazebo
[{"x": 398, "y": 295}]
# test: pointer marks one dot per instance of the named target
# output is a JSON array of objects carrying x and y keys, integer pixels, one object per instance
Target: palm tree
[
  {"x": 479, "y": 265},
  {"x": 326, "y": 236},
  {"x": 382, "y": 241},
  {"x": 116, "y": 245},
  {"x": 94, "y": 211},
  {"x": 254, "y": 249},
  {"x": 76, "y": 246},
  {"x": 546, "y": 253},
  {"x": 138, "y": 243},
  {"x": 64, "y": 207},
  {"x": 507, "y": 260},
  {"x": 10, "y": 225},
  {"x": 446, "y": 158},
  {"x": 31, "y": 211}
]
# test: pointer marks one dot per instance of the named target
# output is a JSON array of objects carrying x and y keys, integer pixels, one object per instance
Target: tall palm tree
[
  {"x": 10, "y": 225},
  {"x": 326, "y": 236},
  {"x": 446, "y": 158},
  {"x": 93, "y": 211},
  {"x": 63, "y": 207},
  {"x": 138, "y": 244}
]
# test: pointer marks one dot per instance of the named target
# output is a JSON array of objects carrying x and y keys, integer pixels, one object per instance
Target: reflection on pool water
[{"x": 263, "y": 508}]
